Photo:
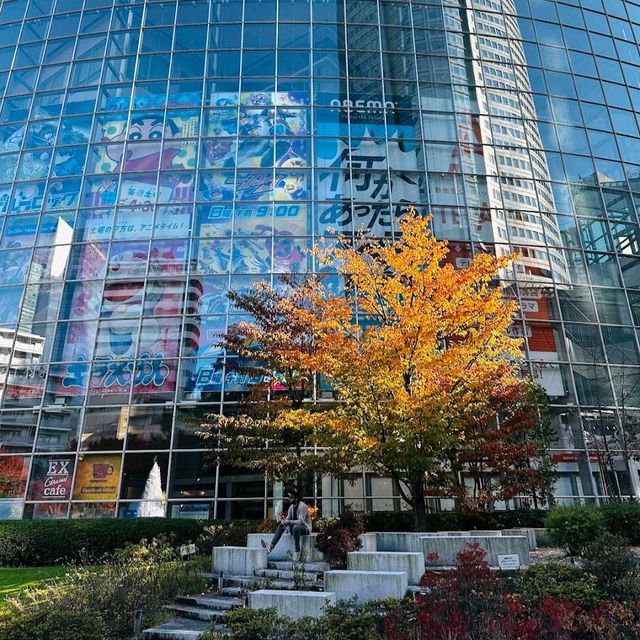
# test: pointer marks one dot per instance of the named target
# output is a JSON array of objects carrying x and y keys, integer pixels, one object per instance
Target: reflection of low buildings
[{"x": 24, "y": 375}]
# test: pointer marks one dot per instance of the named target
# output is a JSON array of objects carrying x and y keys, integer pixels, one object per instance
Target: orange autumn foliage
[{"x": 413, "y": 349}]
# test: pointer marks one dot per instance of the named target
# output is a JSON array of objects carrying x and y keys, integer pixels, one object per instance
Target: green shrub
[
  {"x": 145, "y": 576},
  {"x": 623, "y": 519},
  {"x": 575, "y": 527},
  {"x": 560, "y": 581},
  {"x": 47, "y": 542},
  {"x": 341, "y": 622},
  {"x": 349, "y": 622},
  {"x": 262, "y": 624},
  {"x": 52, "y": 625},
  {"x": 614, "y": 567}
]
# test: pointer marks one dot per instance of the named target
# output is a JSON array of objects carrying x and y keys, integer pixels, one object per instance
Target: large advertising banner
[
  {"x": 121, "y": 358},
  {"x": 97, "y": 477},
  {"x": 121, "y": 304},
  {"x": 269, "y": 172},
  {"x": 154, "y": 140},
  {"x": 251, "y": 252},
  {"x": 51, "y": 478},
  {"x": 366, "y": 169}
]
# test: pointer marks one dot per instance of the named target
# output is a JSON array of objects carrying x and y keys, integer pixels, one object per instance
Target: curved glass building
[{"x": 154, "y": 155}]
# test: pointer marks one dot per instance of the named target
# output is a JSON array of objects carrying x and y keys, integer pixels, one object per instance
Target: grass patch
[{"x": 12, "y": 580}]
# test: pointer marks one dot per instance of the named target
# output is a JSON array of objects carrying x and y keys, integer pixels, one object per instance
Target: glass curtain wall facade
[{"x": 155, "y": 154}]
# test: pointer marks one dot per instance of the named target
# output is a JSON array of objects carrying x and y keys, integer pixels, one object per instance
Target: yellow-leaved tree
[{"x": 413, "y": 349}]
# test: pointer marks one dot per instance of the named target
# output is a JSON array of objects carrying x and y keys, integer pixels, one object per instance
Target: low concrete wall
[
  {"x": 293, "y": 604},
  {"x": 238, "y": 561},
  {"x": 530, "y": 534},
  {"x": 286, "y": 546},
  {"x": 365, "y": 586},
  {"x": 411, "y": 563},
  {"x": 398, "y": 541},
  {"x": 448, "y": 547},
  {"x": 482, "y": 533}
]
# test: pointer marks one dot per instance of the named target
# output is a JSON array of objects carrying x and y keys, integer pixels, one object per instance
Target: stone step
[
  {"x": 196, "y": 613},
  {"x": 253, "y": 582},
  {"x": 288, "y": 575},
  {"x": 309, "y": 567},
  {"x": 180, "y": 629},
  {"x": 211, "y": 601},
  {"x": 234, "y": 592}
]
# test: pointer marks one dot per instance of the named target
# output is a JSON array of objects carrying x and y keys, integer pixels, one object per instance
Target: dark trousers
[{"x": 296, "y": 530}]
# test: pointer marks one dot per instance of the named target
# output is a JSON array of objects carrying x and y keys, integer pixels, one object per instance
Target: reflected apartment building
[{"x": 155, "y": 154}]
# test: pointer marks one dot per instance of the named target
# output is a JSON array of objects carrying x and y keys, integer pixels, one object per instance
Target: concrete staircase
[
  {"x": 282, "y": 574},
  {"x": 193, "y": 615}
]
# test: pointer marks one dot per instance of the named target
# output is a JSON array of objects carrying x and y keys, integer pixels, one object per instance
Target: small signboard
[
  {"x": 509, "y": 562},
  {"x": 187, "y": 550}
]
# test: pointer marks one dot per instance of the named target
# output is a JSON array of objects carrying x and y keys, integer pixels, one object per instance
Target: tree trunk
[{"x": 419, "y": 507}]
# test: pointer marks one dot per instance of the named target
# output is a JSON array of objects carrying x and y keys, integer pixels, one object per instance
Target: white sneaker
[
  {"x": 296, "y": 556},
  {"x": 266, "y": 546}
]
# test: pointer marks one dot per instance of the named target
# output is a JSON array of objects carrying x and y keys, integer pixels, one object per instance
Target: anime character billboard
[
  {"x": 124, "y": 354},
  {"x": 269, "y": 188},
  {"x": 256, "y": 117},
  {"x": 148, "y": 142}
]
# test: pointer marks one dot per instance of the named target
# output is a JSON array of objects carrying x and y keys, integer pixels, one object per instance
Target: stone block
[
  {"x": 543, "y": 539},
  {"x": 365, "y": 586},
  {"x": 448, "y": 547},
  {"x": 368, "y": 542},
  {"x": 293, "y": 604},
  {"x": 530, "y": 534},
  {"x": 398, "y": 541},
  {"x": 238, "y": 561},
  {"x": 411, "y": 563},
  {"x": 286, "y": 546}
]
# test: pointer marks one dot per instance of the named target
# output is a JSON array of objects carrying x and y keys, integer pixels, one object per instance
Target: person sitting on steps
[{"x": 297, "y": 522}]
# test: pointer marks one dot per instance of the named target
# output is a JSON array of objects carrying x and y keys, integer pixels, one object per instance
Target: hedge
[
  {"x": 49, "y": 542},
  {"x": 455, "y": 521},
  {"x": 577, "y": 526}
]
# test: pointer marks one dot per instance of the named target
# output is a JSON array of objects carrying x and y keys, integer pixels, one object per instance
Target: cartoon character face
[
  {"x": 152, "y": 128},
  {"x": 147, "y": 128},
  {"x": 282, "y": 245},
  {"x": 129, "y": 263},
  {"x": 122, "y": 302},
  {"x": 293, "y": 162}
]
